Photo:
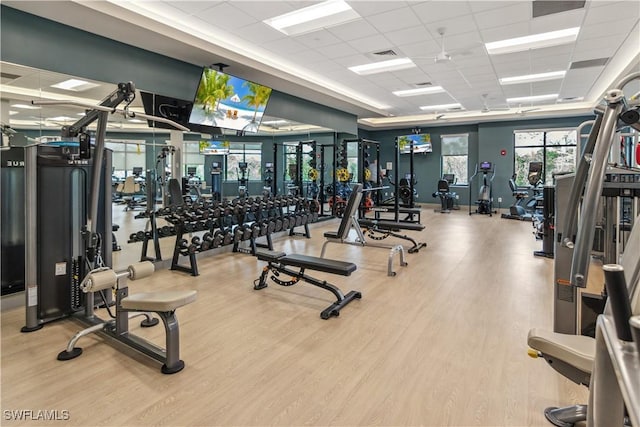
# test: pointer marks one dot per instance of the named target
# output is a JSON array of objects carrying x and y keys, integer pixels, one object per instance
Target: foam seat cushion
[
  {"x": 576, "y": 350},
  {"x": 158, "y": 301}
]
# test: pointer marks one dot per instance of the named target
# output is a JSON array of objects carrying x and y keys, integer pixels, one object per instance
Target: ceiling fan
[
  {"x": 445, "y": 56},
  {"x": 486, "y": 108}
]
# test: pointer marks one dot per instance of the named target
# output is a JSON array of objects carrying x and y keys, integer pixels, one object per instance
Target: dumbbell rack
[{"x": 233, "y": 223}]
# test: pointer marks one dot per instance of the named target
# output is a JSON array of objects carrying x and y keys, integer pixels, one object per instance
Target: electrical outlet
[{"x": 499, "y": 199}]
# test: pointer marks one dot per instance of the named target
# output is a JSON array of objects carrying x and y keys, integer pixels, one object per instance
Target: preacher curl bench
[
  {"x": 278, "y": 262},
  {"x": 163, "y": 303}
]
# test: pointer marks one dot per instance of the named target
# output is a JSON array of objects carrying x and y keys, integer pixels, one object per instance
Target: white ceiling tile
[
  {"x": 350, "y": 61},
  {"x": 480, "y": 5},
  {"x": 260, "y": 33},
  {"x": 233, "y": 18},
  {"x": 194, "y": 7},
  {"x": 394, "y": 20},
  {"x": 371, "y": 44},
  {"x": 584, "y": 55},
  {"x": 520, "y": 12},
  {"x": 459, "y": 25},
  {"x": 610, "y": 44},
  {"x": 579, "y": 82},
  {"x": 612, "y": 13},
  {"x": 339, "y": 50},
  {"x": 370, "y": 8},
  {"x": 592, "y": 31},
  {"x": 505, "y": 32},
  {"x": 435, "y": 11},
  {"x": 550, "y": 86},
  {"x": 407, "y": 35},
  {"x": 286, "y": 45},
  {"x": 317, "y": 39},
  {"x": 354, "y": 30},
  {"x": 261, "y": 9},
  {"x": 422, "y": 48}
]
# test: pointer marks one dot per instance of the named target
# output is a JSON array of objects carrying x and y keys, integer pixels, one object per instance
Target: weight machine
[{"x": 71, "y": 178}]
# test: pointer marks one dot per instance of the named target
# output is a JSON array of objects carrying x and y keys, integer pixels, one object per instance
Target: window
[
  {"x": 455, "y": 157},
  {"x": 555, "y": 148},
  {"x": 251, "y": 153},
  {"x": 126, "y": 156},
  {"x": 191, "y": 158}
]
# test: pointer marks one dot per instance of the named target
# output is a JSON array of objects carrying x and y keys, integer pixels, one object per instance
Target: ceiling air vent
[
  {"x": 423, "y": 84},
  {"x": 589, "y": 63},
  {"x": 549, "y": 7},
  {"x": 388, "y": 52},
  {"x": 9, "y": 76}
]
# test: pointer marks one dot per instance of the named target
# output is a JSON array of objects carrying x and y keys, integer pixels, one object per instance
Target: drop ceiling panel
[
  {"x": 394, "y": 20},
  {"x": 339, "y": 50},
  {"x": 481, "y": 6},
  {"x": 371, "y": 44},
  {"x": 371, "y": 8},
  {"x": 459, "y": 25},
  {"x": 520, "y": 12},
  {"x": 436, "y": 11},
  {"x": 260, "y": 10},
  {"x": 604, "y": 29},
  {"x": 606, "y": 44},
  {"x": 195, "y": 7},
  {"x": 578, "y": 82},
  {"x": 420, "y": 49},
  {"x": 353, "y": 30},
  {"x": 586, "y": 55},
  {"x": 226, "y": 16},
  {"x": 286, "y": 46},
  {"x": 407, "y": 35},
  {"x": 317, "y": 39},
  {"x": 613, "y": 13},
  {"x": 505, "y": 32},
  {"x": 350, "y": 61},
  {"x": 260, "y": 33}
]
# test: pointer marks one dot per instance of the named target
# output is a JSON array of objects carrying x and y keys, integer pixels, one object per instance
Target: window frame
[
  {"x": 458, "y": 183},
  {"x": 546, "y": 147}
]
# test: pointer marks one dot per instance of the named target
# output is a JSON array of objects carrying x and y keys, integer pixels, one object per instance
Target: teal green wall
[{"x": 486, "y": 140}]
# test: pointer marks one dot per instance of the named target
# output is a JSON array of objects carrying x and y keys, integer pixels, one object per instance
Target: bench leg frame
[{"x": 333, "y": 310}]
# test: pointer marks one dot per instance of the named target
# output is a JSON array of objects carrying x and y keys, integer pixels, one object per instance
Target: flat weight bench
[
  {"x": 163, "y": 303},
  {"x": 279, "y": 261}
]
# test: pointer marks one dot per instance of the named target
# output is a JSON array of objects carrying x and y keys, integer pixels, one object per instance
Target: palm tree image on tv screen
[{"x": 229, "y": 102}]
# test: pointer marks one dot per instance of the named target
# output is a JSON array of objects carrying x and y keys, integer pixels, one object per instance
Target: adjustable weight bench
[
  {"x": 278, "y": 262},
  {"x": 349, "y": 219},
  {"x": 163, "y": 303},
  {"x": 385, "y": 228}
]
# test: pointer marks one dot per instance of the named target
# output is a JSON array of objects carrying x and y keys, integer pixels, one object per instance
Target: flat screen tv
[
  {"x": 229, "y": 102},
  {"x": 214, "y": 146},
  {"x": 421, "y": 143}
]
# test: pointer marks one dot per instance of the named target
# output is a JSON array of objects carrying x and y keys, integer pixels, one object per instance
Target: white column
[{"x": 177, "y": 140}]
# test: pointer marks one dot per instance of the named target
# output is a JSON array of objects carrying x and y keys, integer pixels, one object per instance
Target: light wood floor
[{"x": 441, "y": 344}]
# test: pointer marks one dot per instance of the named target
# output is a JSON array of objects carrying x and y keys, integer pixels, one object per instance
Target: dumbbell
[
  {"x": 255, "y": 230},
  {"x": 218, "y": 236},
  {"x": 271, "y": 226},
  {"x": 277, "y": 224},
  {"x": 285, "y": 223},
  {"x": 247, "y": 232},
  {"x": 207, "y": 240},
  {"x": 227, "y": 238},
  {"x": 238, "y": 233},
  {"x": 298, "y": 219},
  {"x": 183, "y": 246}
]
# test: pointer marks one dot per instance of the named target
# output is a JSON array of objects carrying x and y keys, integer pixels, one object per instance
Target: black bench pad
[
  {"x": 331, "y": 235},
  {"x": 390, "y": 225},
  {"x": 269, "y": 256},
  {"x": 410, "y": 210},
  {"x": 319, "y": 264}
]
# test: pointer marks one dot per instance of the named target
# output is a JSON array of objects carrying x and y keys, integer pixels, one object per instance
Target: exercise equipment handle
[{"x": 619, "y": 299}]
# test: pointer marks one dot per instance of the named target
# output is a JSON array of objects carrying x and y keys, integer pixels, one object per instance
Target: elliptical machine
[
  {"x": 243, "y": 179},
  {"x": 485, "y": 195}
]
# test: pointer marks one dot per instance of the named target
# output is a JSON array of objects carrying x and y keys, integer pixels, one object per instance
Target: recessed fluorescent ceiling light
[
  {"x": 535, "y": 41},
  {"x": 26, "y": 107},
  {"x": 440, "y": 107},
  {"x": 313, "y": 18},
  {"x": 532, "y": 98},
  {"x": 529, "y": 78},
  {"x": 382, "y": 66},
  {"x": 75, "y": 85},
  {"x": 135, "y": 121},
  {"x": 13, "y": 113},
  {"x": 419, "y": 91}
]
